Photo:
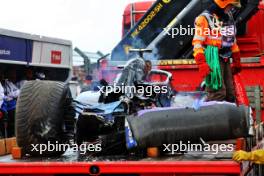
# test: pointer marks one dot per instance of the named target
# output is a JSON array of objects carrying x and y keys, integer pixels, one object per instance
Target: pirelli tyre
[{"x": 41, "y": 108}]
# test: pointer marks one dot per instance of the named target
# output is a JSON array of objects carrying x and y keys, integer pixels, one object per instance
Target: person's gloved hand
[
  {"x": 256, "y": 156},
  {"x": 241, "y": 156},
  {"x": 236, "y": 67},
  {"x": 204, "y": 68}
]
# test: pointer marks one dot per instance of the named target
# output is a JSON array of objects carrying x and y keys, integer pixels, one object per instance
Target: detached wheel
[{"x": 40, "y": 115}]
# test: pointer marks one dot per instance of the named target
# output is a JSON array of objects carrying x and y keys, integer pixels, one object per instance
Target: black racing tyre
[{"x": 40, "y": 117}]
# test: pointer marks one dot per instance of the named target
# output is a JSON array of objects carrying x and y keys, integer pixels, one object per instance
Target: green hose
[{"x": 214, "y": 80}]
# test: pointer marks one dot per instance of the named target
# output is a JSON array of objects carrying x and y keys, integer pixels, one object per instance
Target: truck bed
[
  {"x": 70, "y": 163},
  {"x": 73, "y": 163}
]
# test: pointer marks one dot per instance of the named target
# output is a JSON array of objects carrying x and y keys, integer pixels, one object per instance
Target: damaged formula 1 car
[{"x": 122, "y": 120}]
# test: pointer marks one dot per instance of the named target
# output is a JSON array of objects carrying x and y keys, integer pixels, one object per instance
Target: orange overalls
[{"x": 209, "y": 30}]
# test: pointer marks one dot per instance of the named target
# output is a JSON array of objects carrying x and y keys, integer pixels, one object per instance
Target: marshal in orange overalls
[{"x": 216, "y": 27}]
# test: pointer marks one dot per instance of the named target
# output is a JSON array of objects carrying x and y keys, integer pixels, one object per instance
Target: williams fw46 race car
[{"x": 148, "y": 114}]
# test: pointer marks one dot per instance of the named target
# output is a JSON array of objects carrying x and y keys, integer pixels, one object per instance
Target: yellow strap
[{"x": 176, "y": 62}]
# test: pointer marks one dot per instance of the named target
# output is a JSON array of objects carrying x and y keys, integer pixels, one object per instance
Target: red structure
[{"x": 142, "y": 168}]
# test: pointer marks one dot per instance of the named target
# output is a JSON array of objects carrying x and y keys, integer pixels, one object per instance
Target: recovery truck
[{"x": 149, "y": 33}]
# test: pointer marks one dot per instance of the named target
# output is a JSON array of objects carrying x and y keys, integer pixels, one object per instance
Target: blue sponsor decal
[
  {"x": 130, "y": 141},
  {"x": 15, "y": 49}
]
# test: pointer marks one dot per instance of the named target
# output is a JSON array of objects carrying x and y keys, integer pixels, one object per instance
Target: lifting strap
[{"x": 214, "y": 80}]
